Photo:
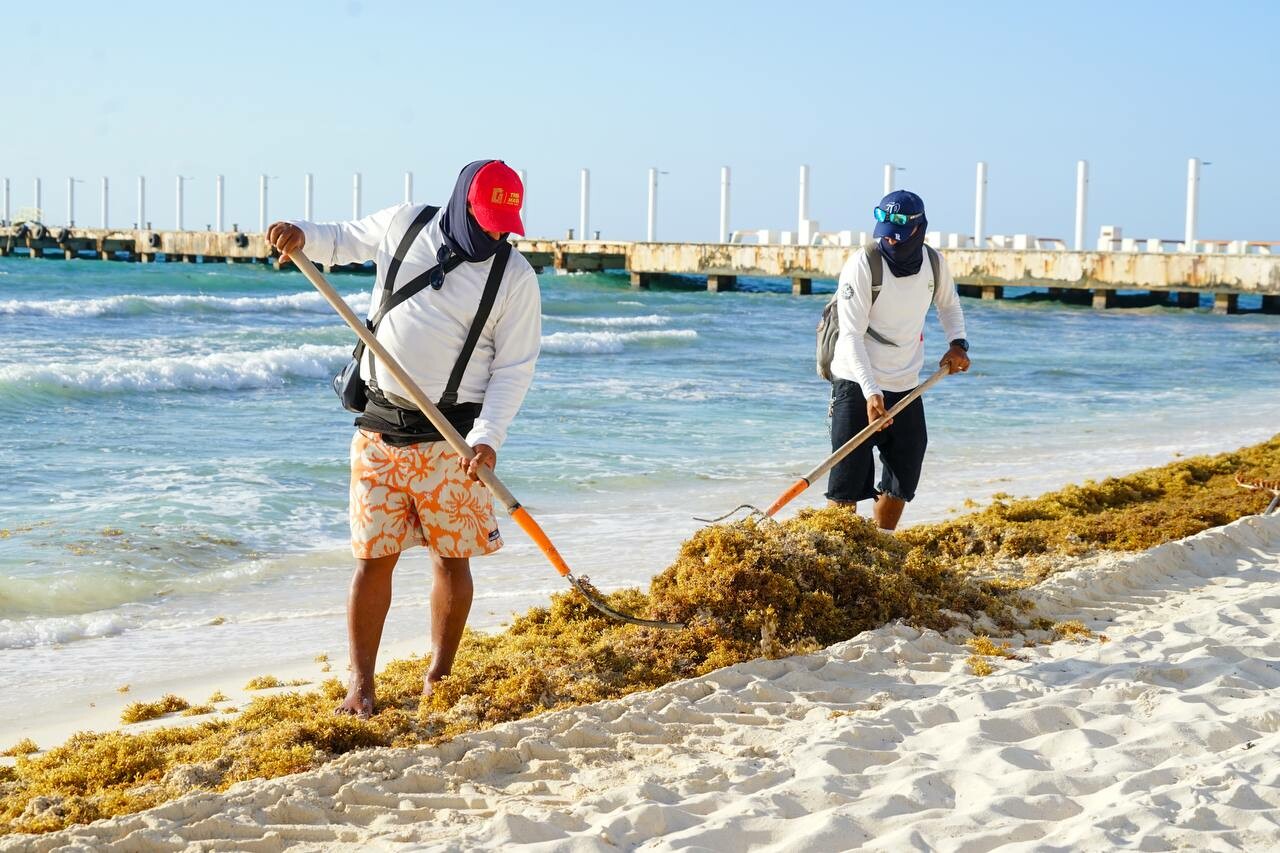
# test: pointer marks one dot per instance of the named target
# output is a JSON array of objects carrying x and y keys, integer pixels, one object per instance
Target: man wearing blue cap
[{"x": 884, "y": 295}]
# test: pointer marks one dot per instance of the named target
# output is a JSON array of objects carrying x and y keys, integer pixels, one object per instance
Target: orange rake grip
[
  {"x": 540, "y": 538},
  {"x": 796, "y": 488}
]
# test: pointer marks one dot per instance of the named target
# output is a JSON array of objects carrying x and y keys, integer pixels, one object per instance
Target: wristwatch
[{"x": 962, "y": 343}]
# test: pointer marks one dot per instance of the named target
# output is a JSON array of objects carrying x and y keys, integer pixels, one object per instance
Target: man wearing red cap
[{"x": 437, "y": 272}]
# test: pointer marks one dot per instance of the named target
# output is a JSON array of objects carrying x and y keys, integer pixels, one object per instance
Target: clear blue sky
[{"x": 333, "y": 87}]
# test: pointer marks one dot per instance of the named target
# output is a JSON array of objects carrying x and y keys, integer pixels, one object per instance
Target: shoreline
[
  {"x": 885, "y": 738},
  {"x": 100, "y": 711}
]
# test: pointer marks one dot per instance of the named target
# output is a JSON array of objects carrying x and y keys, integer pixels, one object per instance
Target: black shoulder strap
[
  {"x": 406, "y": 243},
  {"x": 492, "y": 283},
  {"x": 393, "y": 269},
  {"x": 935, "y": 263},
  {"x": 416, "y": 285},
  {"x": 876, "y": 262},
  {"x": 388, "y": 284}
]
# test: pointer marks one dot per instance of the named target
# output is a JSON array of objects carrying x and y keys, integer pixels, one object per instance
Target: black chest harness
[{"x": 400, "y": 426}]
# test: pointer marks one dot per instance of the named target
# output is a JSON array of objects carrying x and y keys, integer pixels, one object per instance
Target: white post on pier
[
  {"x": 71, "y": 202},
  {"x": 355, "y": 196},
  {"x": 1082, "y": 200},
  {"x": 980, "y": 208},
  {"x": 142, "y": 201},
  {"x": 584, "y": 204},
  {"x": 804, "y": 198},
  {"x": 219, "y": 185},
  {"x": 39, "y": 212},
  {"x": 1193, "y": 200},
  {"x": 724, "y": 204},
  {"x": 8, "y": 204},
  {"x": 652, "y": 229},
  {"x": 262, "y": 203},
  {"x": 408, "y": 187},
  {"x": 308, "y": 193},
  {"x": 888, "y": 178},
  {"x": 524, "y": 199},
  {"x": 105, "y": 203},
  {"x": 177, "y": 201}
]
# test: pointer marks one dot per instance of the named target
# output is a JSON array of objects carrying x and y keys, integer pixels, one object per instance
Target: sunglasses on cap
[{"x": 895, "y": 218}]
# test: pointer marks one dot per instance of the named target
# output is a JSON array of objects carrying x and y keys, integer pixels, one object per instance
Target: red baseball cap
[{"x": 496, "y": 196}]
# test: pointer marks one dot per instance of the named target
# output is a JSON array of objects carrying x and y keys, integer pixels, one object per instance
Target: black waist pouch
[{"x": 402, "y": 427}]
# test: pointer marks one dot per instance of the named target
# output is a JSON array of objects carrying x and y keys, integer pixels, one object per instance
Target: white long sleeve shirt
[
  {"x": 898, "y": 315},
  {"x": 426, "y": 333}
]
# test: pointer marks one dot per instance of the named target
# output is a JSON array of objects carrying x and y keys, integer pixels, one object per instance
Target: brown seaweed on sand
[{"x": 746, "y": 589}]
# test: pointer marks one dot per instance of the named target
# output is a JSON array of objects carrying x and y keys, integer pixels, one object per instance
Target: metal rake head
[{"x": 754, "y": 511}]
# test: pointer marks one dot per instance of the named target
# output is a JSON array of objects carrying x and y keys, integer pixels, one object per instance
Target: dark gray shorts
[{"x": 901, "y": 447}]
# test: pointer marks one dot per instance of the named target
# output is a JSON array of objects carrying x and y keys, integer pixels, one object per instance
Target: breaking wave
[
  {"x": 134, "y": 305},
  {"x": 644, "y": 320},
  {"x": 223, "y": 371},
  {"x": 610, "y": 342}
]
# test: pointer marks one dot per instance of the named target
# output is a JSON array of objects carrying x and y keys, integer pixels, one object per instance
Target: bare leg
[
  {"x": 451, "y": 591},
  {"x": 852, "y": 506},
  {"x": 888, "y": 511},
  {"x": 367, "y": 606}
]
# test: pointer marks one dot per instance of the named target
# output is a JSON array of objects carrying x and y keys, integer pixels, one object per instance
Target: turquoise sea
[{"x": 175, "y": 464}]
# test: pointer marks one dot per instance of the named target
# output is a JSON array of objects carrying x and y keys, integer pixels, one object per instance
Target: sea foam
[
  {"x": 134, "y": 304},
  {"x": 221, "y": 371},
  {"x": 611, "y": 342},
  {"x": 642, "y": 320}
]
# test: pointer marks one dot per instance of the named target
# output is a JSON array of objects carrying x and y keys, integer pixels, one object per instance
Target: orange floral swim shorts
[{"x": 417, "y": 495}]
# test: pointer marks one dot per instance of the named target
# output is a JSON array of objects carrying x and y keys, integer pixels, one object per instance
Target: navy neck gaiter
[
  {"x": 905, "y": 258},
  {"x": 462, "y": 234}
]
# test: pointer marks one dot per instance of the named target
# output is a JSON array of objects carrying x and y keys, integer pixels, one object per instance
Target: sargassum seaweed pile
[{"x": 746, "y": 589}]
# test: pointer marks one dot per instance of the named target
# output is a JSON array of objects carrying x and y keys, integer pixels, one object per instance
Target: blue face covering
[
  {"x": 905, "y": 258},
  {"x": 462, "y": 234}
]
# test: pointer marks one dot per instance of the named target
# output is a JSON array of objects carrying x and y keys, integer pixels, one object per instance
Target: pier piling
[
  {"x": 1103, "y": 298},
  {"x": 1193, "y": 199},
  {"x": 1082, "y": 192},
  {"x": 218, "y": 184},
  {"x": 724, "y": 204},
  {"x": 584, "y": 203},
  {"x": 980, "y": 208}
]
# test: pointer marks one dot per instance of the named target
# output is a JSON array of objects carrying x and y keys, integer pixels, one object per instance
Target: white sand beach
[{"x": 1165, "y": 736}]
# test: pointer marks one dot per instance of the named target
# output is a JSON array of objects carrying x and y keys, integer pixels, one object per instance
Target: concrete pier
[{"x": 1177, "y": 277}]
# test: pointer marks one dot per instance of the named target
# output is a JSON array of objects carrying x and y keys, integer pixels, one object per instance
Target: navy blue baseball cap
[{"x": 898, "y": 203}]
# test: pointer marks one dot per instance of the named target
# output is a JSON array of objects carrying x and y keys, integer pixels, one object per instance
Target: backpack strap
[
  {"x": 935, "y": 263},
  {"x": 450, "y": 396},
  {"x": 876, "y": 261}
]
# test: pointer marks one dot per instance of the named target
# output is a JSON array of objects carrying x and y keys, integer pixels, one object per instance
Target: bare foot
[
  {"x": 359, "y": 701},
  {"x": 429, "y": 684}
]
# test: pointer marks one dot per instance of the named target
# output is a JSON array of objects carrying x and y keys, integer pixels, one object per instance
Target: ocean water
[{"x": 175, "y": 463}]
